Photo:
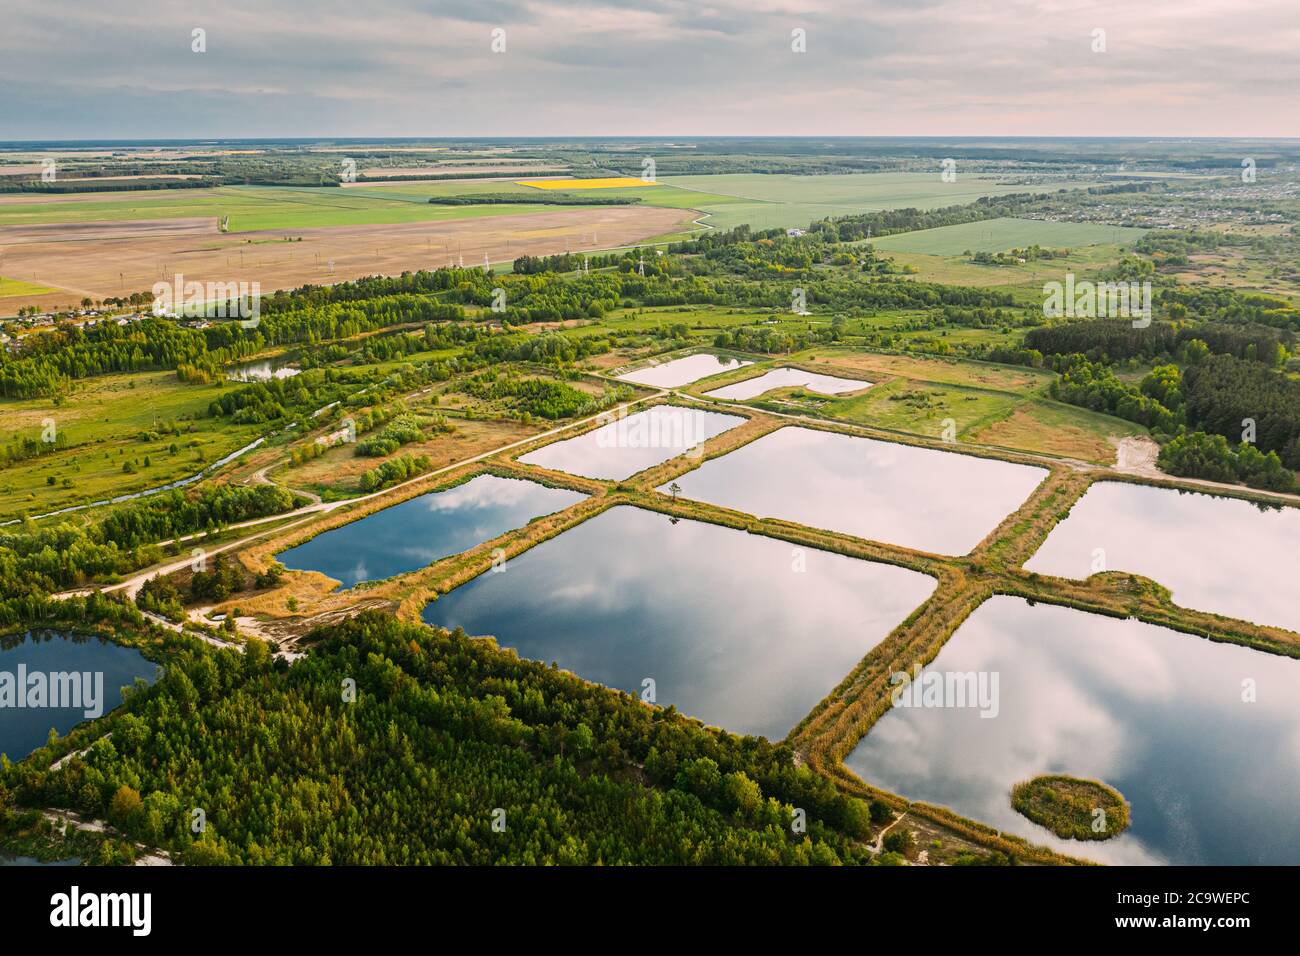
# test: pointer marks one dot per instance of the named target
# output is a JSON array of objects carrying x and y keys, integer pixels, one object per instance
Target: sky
[{"x": 123, "y": 69}]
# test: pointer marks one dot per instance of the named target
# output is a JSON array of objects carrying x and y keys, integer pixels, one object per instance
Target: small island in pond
[{"x": 1068, "y": 807}]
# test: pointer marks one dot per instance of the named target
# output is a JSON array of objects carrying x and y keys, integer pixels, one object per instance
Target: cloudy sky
[{"x": 125, "y": 68}]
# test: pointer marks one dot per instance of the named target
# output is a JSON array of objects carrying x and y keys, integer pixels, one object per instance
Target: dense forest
[
  {"x": 1103, "y": 340},
  {"x": 1198, "y": 455},
  {"x": 402, "y": 430},
  {"x": 1095, "y": 386},
  {"x": 449, "y": 751},
  {"x": 49, "y": 361},
  {"x": 1223, "y": 395},
  {"x": 758, "y": 274}
]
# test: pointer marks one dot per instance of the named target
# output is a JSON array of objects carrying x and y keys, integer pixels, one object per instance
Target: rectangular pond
[
  {"x": 1217, "y": 554},
  {"x": 683, "y": 371},
  {"x": 742, "y": 631},
  {"x": 632, "y": 443},
  {"x": 55, "y": 680},
  {"x": 1202, "y": 739},
  {"x": 935, "y": 501},
  {"x": 418, "y": 532},
  {"x": 789, "y": 378}
]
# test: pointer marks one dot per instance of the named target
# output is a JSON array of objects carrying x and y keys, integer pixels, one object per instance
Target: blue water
[
  {"x": 418, "y": 532},
  {"x": 633, "y": 443},
  {"x": 1211, "y": 776},
  {"x": 23, "y": 729},
  {"x": 742, "y": 631}
]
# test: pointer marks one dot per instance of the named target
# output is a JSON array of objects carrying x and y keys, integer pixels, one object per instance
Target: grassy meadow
[
  {"x": 1002, "y": 235},
  {"x": 987, "y": 404},
  {"x": 106, "y": 423},
  {"x": 784, "y": 201},
  {"x": 253, "y": 208}
]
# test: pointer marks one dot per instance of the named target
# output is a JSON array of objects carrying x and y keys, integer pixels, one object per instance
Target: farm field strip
[
  {"x": 1000, "y": 235},
  {"x": 614, "y": 182},
  {"x": 327, "y": 255},
  {"x": 787, "y": 200}
]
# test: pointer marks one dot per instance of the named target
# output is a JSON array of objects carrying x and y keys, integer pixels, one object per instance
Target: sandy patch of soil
[{"x": 1137, "y": 456}]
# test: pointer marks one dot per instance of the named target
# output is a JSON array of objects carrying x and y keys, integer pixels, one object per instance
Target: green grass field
[
  {"x": 725, "y": 201},
  {"x": 783, "y": 201},
  {"x": 1001, "y": 235},
  {"x": 876, "y": 366},
  {"x": 1024, "y": 280},
  {"x": 1058, "y": 429},
  {"x": 1003, "y": 405},
  {"x": 254, "y": 207},
  {"x": 941, "y": 341},
  {"x": 1017, "y": 416},
  {"x": 105, "y": 422},
  {"x": 12, "y": 287},
  {"x": 922, "y": 408}
]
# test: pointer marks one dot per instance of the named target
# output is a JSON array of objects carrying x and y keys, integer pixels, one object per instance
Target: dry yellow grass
[{"x": 1027, "y": 428}]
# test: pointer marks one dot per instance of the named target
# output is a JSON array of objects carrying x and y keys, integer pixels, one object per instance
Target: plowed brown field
[{"x": 99, "y": 259}]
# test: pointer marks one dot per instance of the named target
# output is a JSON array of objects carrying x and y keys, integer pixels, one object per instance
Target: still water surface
[
  {"x": 787, "y": 378},
  {"x": 110, "y": 668},
  {"x": 742, "y": 631},
  {"x": 1216, "y": 554},
  {"x": 683, "y": 371},
  {"x": 262, "y": 370},
  {"x": 632, "y": 443},
  {"x": 935, "y": 501},
  {"x": 418, "y": 532},
  {"x": 1158, "y": 715}
]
